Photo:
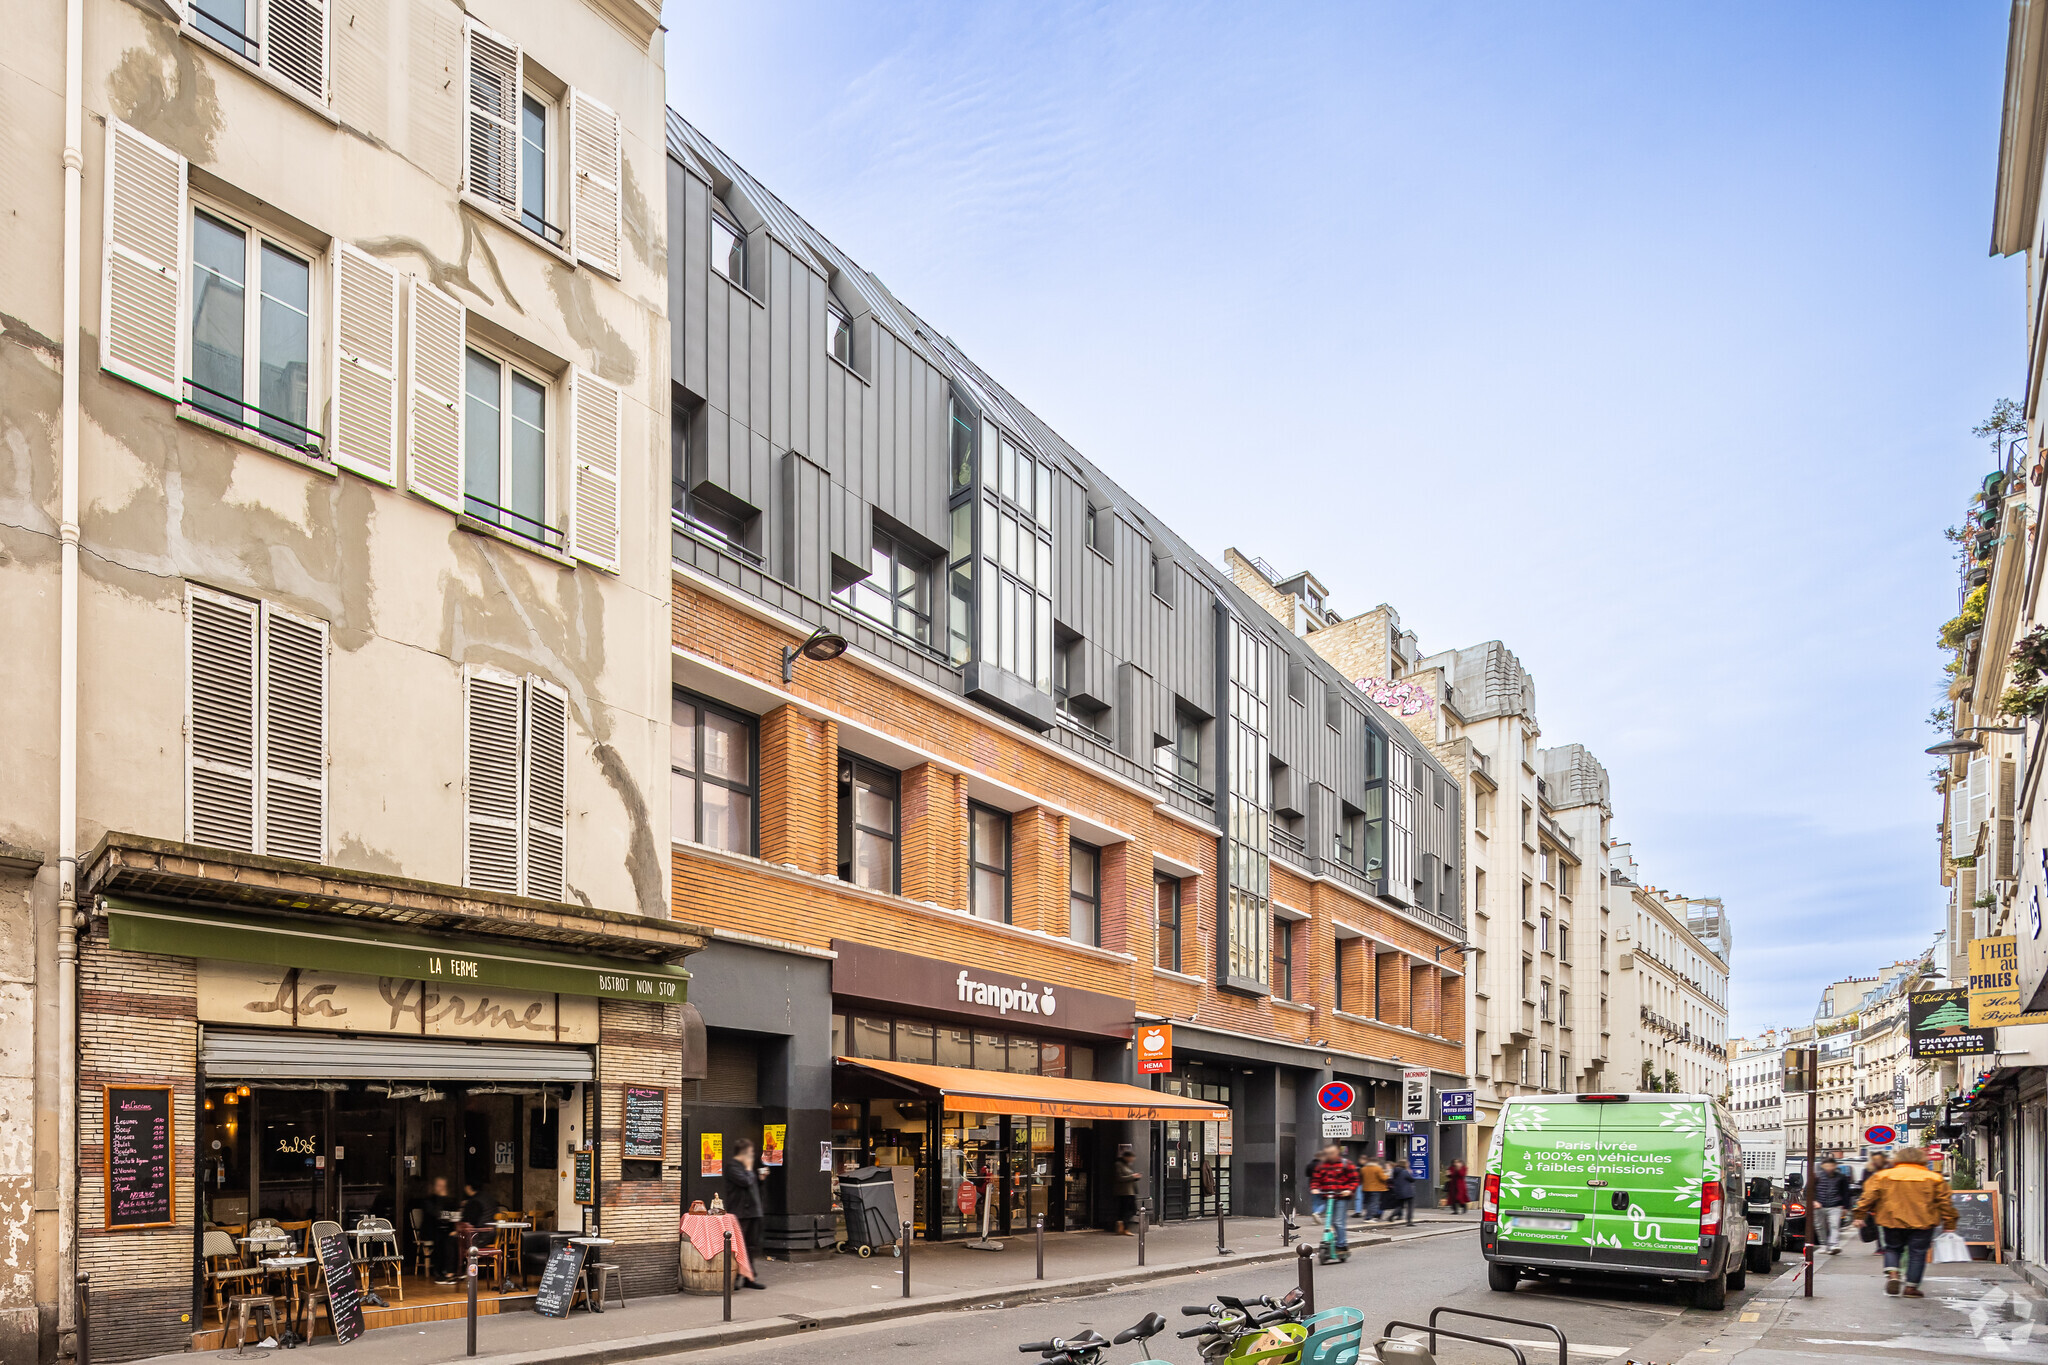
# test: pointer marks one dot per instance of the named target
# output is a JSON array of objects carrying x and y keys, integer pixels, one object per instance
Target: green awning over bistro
[{"x": 372, "y": 949}]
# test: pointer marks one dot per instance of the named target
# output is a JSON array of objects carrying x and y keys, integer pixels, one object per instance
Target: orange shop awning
[{"x": 963, "y": 1089}]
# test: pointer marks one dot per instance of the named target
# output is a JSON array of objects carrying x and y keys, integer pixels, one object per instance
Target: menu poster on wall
[
  {"x": 773, "y": 1136},
  {"x": 139, "y": 1152},
  {"x": 643, "y": 1135},
  {"x": 586, "y": 1177},
  {"x": 825, "y": 1156},
  {"x": 711, "y": 1154}
]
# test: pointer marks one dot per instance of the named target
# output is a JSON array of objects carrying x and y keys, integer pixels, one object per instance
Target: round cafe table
[
  {"x": 589, "y": 1304},
  {"x": 509, "y": 1255},
  {"x": 292, "y": 1268}
]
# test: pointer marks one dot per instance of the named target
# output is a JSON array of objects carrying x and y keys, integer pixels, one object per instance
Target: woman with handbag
[{"x": 1906, "y": 1200}]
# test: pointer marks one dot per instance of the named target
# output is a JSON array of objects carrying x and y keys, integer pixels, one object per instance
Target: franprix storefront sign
[{"x": 906, "y": 981}]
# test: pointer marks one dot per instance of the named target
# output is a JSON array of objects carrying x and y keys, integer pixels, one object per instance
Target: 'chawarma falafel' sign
[{"x": 1938, "y": 1025}]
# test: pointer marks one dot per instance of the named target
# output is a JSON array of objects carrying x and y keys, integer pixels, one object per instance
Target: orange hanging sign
[{"x": 1155, "y": 1049}]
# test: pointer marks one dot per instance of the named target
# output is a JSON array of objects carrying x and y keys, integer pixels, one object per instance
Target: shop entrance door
[{"x": 1032, "y": 1173}]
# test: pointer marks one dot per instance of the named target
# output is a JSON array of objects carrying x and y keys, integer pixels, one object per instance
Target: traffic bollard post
[
  {"x": 1039, "y": 1232},
  {"x": 1809, "y": 1270},
  {"x": 84, "y": 1348},
  {"x": 906, "y": 1260},
  {"x": 728, "y": 1276},
  {"x": 1143, "y": 1208},
  {"x": 1221, "y": 1249},
  {"x": 472, "y": 1300},
  {"x": 1305, "y": 1276}
]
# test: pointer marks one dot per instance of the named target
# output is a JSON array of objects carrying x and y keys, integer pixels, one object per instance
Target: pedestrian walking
[
  {"x": 1123, "y": 1181},
  {"x": 1456, "y": 1194},
  {"x": 1875, "y": 1166},
  {"x": 1333, "y": 1180},
  {"x": 1833, "y": 1196},
  {"x": 1907, "y": 1200},
  {"x": 1372, "y": 1181},
  {"x": 743, "y": 1201},
  {"x": 1400, "y": 1193}
]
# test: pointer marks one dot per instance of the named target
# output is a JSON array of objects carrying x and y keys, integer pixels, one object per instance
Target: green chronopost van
[{"x": 1637, "y": 1185}]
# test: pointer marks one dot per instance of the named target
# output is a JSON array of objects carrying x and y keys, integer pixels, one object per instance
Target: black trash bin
[{"x": 867, "y": 1196}]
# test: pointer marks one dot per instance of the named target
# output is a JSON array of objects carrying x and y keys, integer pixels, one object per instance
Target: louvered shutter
[
  {"x": 363, "y": 432},
  {"x": 1980, "y": 800},
  {"x": 491, "y": 159},
  {"x": 433, "y": 466},
  {"x": 294, "y": 736},
  {"x": 596, "y": 413},
  {"x": 2006, "y": 853},
  {"x": 546, "y": 797},
  {"x": 142, "y": 262},
  {"x": 220, "y": 720},
  {"x": 295, "y": 43},
  {"x": 490, "y": 832},
  {"x": 594, "y": 226}
]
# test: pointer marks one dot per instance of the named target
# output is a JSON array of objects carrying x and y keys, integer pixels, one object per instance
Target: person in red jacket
[{"x": 1333, "y": 1181}]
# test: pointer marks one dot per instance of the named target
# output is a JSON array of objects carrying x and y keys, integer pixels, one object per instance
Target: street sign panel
[
  {"x": 1336, "y": 1097},
  {"x": 1415, "y": 1093},
  {"x": 1337, "y": 1125},
  {"x": 1454, "y": 1106},
  {"x": 1880, "y": 1135},
  {"x": 1400, "y": 1126}
]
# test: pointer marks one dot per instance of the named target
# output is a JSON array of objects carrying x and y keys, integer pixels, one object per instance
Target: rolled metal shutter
[{"x": 227, "y": 1055}]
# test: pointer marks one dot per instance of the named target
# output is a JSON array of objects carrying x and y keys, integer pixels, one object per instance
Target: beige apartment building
[
  {"x": 1672, "y": 987},
  {"x": 336, "y": 566}
]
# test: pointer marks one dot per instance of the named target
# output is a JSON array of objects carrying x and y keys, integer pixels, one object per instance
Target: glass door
[
  {"x": 1030, "y": 1175},
  {"x": 970, "y": 1173},
  {"x": 1078, "y": 1198}
]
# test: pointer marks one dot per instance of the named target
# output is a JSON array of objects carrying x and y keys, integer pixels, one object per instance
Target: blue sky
[{"x": 1644, "y": 338}]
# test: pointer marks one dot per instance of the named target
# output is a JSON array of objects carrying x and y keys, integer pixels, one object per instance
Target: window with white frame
[
  {"x": 545, "y": 155},
  {"x": 515, "y": 790},
  {"x": 250, "y": 345},
  {"x": 728, "y": 249},
  {"x": 838, "y": 333},
  {"x": 255, "y": 727},
  {"x": 505, "y": 429},
  {"x": 287, "y": 39}
]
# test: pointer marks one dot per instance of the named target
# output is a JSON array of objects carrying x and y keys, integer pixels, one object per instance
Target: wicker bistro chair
[
  {"x": 422, "y": 1249},
  {"x": 226, "y": 1274},
  {"x": 378, "y": 1242}
]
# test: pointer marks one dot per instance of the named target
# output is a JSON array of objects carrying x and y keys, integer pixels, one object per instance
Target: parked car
[
  {"x": 1768, "y": 1212},
  {"x": 1612, "y": 1184}
]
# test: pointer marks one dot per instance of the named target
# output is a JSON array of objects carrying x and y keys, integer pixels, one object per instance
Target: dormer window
[
  {"x": 728, "y": 249},
  {"x": 839, "y": 334}
]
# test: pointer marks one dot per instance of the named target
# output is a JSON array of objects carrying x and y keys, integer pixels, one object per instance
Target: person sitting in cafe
[
  {"x": 479, "y": 1211},
  {"x": 437, "y": 1225}
]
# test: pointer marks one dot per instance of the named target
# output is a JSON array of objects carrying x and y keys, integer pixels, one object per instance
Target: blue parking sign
[
  {"x": 1454, "y": 1106},
  {"x": 1418, "y": 1158}
]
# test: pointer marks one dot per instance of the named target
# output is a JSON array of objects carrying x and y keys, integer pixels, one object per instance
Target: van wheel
[
  {"x": 1502, "y": 1279},
  {"x": 1711, "y": 1295},
  {"x": 1777, "y": 1245},
  {"x": 1741, "y": 1276},
  {"x": 1760, "y": 1258}
]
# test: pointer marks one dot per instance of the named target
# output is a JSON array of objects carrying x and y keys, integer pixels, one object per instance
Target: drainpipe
[{"x": 67, "y": 693}]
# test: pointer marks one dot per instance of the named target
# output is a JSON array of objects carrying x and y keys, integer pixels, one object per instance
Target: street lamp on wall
[
  {"x": 1956, "y": 744},
  {"x": 821, "y": 647}
]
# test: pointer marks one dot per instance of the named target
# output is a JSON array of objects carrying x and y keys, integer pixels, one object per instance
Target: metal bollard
[
  {"x": 1040, "y": 1233},
  {"x": 1809, "y": 1270},
  {"x": 85, "y": 1320},
  {"x": 728, "y": 1276},
  {"x": 472, "y": 1300},
  {"x": 1221, "y": 1249},
  {"x": 1286, "y": 1224},
  {"x": 906, "y": 1260},
  {"x": 1305, "y": 1276},
  {"x": 1144, "y": 1206}
]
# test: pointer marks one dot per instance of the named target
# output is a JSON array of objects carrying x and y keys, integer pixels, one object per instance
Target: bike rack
[
  {"x": 1563, "y": 1347},
  {"x": 1435, "y": 1332}
]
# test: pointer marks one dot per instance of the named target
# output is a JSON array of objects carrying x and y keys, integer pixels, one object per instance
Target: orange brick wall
[
  {"x": 1393, "y": 977},
  {"x": 798, "y": 817}
]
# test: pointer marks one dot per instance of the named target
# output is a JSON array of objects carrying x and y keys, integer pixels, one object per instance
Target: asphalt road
[{"x": 1401, "y": 1280}]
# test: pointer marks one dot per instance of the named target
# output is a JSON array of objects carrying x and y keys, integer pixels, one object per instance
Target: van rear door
[
  {"x": 1653, "y": 1156},
  {"x": 1546, "y": 1207}
]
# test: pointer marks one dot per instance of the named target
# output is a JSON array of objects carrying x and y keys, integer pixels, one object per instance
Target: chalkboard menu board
[
  {"x": 1977, "y": 1216},
  {"x": 141, "y": 1142},
  {"x": 558, "y": 1281},
  {"x": 643, "y": 1135},
  {"x": 586, "y": 1177},
  {"x": 344, "y": 1290}
]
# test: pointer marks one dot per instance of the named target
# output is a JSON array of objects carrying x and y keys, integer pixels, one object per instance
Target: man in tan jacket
[
  {"x": 1372, "y": 1188},
  {"x": 1907, "y": 1200}
]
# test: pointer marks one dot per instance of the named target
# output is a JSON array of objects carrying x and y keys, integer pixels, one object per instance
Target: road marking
[{"x": 1747, "y": 1317}]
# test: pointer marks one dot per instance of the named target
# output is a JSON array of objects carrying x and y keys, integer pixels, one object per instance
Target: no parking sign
[{"x": 1880, "y": 1135}]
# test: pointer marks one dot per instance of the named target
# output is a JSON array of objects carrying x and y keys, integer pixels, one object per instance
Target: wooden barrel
[{"x": 702, "y": 1274}]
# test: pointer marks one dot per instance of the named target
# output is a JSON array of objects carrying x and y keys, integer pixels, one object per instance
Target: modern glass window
[
  {"x": 1350, "y": 848},
  {"x": 505, "y": 447},
  {"x": 1283, "y": 958},
  {"x": 1248, "y": 929},
  {"x": 1564, "y": 942},
  {"x": 1015, "y": 570},
  {"x": 838, "y": 334},
  {"x": 988, "y": 863},
  {"x": 728, "y": 250},
  {"x": 1166, "y": 932},
  {"x": 251, "y": 361},
  {"x": 1084, "y": 894},
  {"x": 1182, "y": 758},
  {"x": 897, "y": 593},
  {"x": 536, "y": 122},
  {"x": 868, "y": 828},
  {"x": 1543, "y": 933},
  {"x": 1337, "y": 986},
  {"x": 1543, "y": 999},
  {"x": 711, "y": 775},
  {"x": 1543, "y": 1072}
]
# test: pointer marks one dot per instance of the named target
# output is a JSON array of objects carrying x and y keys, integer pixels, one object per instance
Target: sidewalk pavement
[
  {"x": 1974, "y": 1310},
  {"x": 842, "y": 1290}
]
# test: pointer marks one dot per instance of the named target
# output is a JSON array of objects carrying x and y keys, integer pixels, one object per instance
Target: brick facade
[{"x": 640, "y": 1045}]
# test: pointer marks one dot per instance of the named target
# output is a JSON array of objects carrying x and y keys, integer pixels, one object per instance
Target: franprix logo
[{"x": 1023, "y": 998}]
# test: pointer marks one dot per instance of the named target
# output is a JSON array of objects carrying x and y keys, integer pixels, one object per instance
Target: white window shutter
[
  {"x": 142, "y": 262},
  {"x": 491, "y": 797},
  {"x": 220, "y": 720},
  {"x": 1980, "y": 798},
  {"x": 433, "y": 465},
  {"x": 546, "y": 812},
  {"x": 295, "y": 43},
  {"x": 491, "y": 121},
  {"x": 596, "y": 414},
  {"x": 294, "y": 795},
  {"x": 363, "y": 428},
  {"x": 594, "y": 226}
]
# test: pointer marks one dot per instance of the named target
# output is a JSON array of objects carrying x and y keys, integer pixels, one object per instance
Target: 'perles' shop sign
[{"x": 894, "y": 979}]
